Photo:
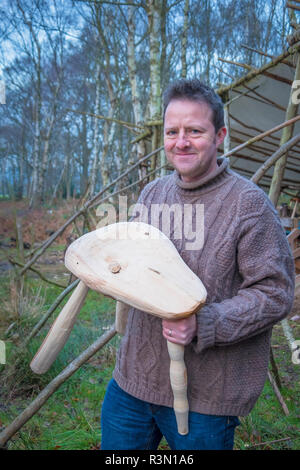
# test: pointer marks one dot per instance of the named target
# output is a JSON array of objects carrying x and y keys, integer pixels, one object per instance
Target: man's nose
[{"x": 182, "y": 140}]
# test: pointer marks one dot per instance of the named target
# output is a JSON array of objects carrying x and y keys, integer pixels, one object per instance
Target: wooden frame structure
[{"x": 259, "y": 101}]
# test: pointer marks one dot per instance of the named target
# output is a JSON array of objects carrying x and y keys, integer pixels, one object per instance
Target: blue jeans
[{"x": 128, "y": 423}]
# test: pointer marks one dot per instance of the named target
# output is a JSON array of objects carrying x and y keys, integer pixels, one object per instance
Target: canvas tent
[{"x": 258, "y": 102}]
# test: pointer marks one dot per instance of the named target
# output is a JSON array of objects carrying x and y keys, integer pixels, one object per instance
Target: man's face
[{"x": 190, "y": 139}]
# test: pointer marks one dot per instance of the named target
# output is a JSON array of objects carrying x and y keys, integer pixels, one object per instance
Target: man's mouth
[
  {"x": 183, "y": 154},
  {"x": 190, "y": 152}
]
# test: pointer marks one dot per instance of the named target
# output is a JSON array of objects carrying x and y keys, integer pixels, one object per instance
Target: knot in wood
[{"x": 114, "y": 268}]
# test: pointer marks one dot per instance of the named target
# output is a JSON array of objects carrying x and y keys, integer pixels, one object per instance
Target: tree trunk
[
  {"x": 184, "y": 39},
  {"x": 135, "y": 93},
  {"x": 69, "y": 168},
  {"x": 108, "y": 134},
  {"x": 108, "y": 131},
  {"x": 95, "y": 149},
  {"x": 109, "y": 127},
  {"x": 45, "y": 157},
  {"x": 20, "y": 163},
  {"x": 35, "y": 155},
  {"x": 154, "y": 9},
  {"x": 44, "y": 162},
  {"x": 208, "y": 39},
  {"x": 85, "y": 154},
  {"x": 60, "y": 179},
  {"x": 227, "y": 125},
  {"x": 286, "y": 135},
  {"x": 37, "y": 121}
]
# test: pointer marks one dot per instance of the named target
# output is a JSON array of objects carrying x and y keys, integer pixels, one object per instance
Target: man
[{"x": 246, "y": 266}]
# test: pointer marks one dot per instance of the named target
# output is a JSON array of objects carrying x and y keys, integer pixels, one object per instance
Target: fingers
[
  {"x": 180, "y": 331},
  {"x": 172, "y": 334},
  {"x": 174, "y": 339}
]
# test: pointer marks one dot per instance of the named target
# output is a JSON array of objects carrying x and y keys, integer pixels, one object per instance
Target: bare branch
[
  {"x": 107, "y": 2},
  {"x": 129, "y": 125}
]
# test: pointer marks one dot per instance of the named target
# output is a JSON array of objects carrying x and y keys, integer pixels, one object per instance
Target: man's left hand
[{"x": 180, "y": 331}]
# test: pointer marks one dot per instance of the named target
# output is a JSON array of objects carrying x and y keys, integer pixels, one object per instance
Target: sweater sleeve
[{"x": 266, "y": 267}]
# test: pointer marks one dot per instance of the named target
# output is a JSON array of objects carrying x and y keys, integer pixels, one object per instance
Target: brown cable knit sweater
[{"x": 248, "y": 270}]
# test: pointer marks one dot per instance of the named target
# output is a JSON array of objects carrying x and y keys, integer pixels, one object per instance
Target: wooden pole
[
  {"x": 131, "y": 185},
  {"x": 155, "y": 139},
  {"x": 278, "y": 394},
  {"x": 274, "y": 158},
  {"x": 20, "y": 279},
  {"x": 293, "y": 7},
  {"x": 21, "y": 265},
  {"x": 53, "y": 307},
  {"x": 239, "y": 64},
  {"x": 60, "y": 331},
  {"x": 287, "y": 133},
  {"x": 227, "y": 124},
  {"x": 256, "y": 72},
  {"x": 261, "y": 136},
  {"x": 295, "y": 208},
  {"x": 129, "y": 125},
  {"x": 225, "y": 99}
]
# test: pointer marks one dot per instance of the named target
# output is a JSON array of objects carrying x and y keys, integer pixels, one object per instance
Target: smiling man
[
  {"x": 246, "y": 265},
  {"x": 190, "y": 138}
]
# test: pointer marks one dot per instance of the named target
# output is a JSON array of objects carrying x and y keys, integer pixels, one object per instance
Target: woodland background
[
  {"x": 80, "y": 106},
  {"x": 65, "y": 61}
]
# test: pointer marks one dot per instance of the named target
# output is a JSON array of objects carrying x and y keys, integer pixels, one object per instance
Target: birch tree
[
  {"x": 30, "y": 29},
  {"x": 133, "y": 78},
  {"x": 101, "y": 19},
  {"x": 34, "y": 51},
  {"x": 154, "y": 14},
  {"x": 184, "y": 38},
  {"x": 53, "y": 79},
  {"x": 114, "y": 61},
  {"x": 96, "y": 143}
]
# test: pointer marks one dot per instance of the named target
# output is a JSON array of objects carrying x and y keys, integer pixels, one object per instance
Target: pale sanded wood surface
[
  {"x": 137, "y": 264},
  {"x": 59, "y": 332},
  {"x": 121, "y": 317}
]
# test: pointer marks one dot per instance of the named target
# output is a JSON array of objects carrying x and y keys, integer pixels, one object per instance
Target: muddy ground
[{"x": 37, "y": 226}]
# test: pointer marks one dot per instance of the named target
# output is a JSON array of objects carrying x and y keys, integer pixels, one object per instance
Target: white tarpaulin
[{"x": 257, "y": 106}]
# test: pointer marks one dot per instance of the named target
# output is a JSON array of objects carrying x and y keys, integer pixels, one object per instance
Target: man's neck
[{"x": 221, "y": 165}]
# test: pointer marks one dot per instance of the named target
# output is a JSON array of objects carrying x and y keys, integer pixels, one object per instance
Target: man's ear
[{"x": 221, "y": 134}]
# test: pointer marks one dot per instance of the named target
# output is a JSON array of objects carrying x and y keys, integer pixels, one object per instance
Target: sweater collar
[{"x": 222, "y": 166}]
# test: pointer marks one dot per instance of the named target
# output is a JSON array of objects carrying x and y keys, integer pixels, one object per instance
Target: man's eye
[
  {"x": 194, "y": 131},
  {"x": 171, "y": 133}
]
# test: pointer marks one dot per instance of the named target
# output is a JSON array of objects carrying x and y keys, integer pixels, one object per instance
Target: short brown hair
[{"x": 195, "y": 90}]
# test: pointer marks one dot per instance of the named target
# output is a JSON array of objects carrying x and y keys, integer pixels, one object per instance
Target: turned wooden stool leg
[{"x": 178, "y": 377}]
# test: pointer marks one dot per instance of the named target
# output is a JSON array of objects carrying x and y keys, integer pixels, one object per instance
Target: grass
[
  {"x": 267, "y": 428},
  {"x": 267, "y": 422},
  {"x": 70, "y": 419}
]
